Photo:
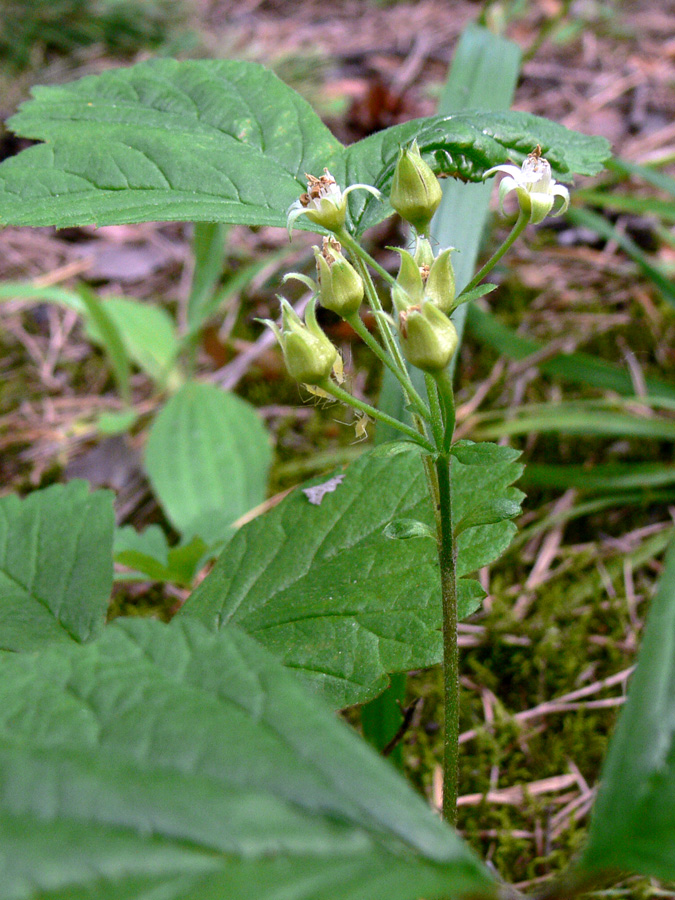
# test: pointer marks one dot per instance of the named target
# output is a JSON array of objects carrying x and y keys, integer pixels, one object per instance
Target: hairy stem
[
  {"x": 403, "y": 379},
  {"x": 447, "y": 557}
]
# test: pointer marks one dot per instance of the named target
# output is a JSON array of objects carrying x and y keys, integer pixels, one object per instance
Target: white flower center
[{"x": 536, "y": 175}]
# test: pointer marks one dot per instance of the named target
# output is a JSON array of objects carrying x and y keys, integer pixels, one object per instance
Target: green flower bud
[
  {"x": 428, "y": 337},
  {"x": 341, "y": 287},
  {"x": 409, "y": 283},
  {"x": 415, "y": 190},
  {"x": 308, "y": 353},
  {"x": 424, "y": 255},
  {"x": 440, "y": 285}
]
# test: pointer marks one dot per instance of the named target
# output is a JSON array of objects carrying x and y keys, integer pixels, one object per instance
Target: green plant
[
  {"x": 186, "y": 760},
  {"x": 207, "y": 454}
]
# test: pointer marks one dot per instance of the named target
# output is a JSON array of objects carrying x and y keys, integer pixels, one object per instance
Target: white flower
[
  {"x": 535, "y": 187},
  {"x": 324, "y": 203}
]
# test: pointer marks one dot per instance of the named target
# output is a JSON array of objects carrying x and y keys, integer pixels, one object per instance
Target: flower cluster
[{"x": 423, "y": 293}]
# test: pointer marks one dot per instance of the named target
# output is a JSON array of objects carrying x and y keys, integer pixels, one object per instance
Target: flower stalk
[{"x": 420, "y": 331}]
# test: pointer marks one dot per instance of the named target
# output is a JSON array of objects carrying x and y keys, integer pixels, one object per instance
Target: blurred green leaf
[
  {"x": 208, "y": 247},
  {"x": 207, "y": 458},
  {"x": 110, "y": 339},
  {"x": 149, "y": 558},
  {"x": 55, "y": 565},
  {"x": 608, "y": 477},
  {"x": 633, "y": 825},
  {"x": 146, "y": 331},
  {"x": 576, "y": 417}
]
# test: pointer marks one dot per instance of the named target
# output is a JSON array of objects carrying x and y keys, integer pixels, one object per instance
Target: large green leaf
[
  {"x": 167, "y": 761},
  {"x": 324, "y": 588},
  {"x": 633, "y": 827},
  {"x": 55, "y": 565},
  {"x": 207, "y": 458},
  {"x": 201, "y": 141},
  {"x": 226, "y": 141}
]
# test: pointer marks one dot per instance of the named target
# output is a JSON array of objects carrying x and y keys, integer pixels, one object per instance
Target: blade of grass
[
  {"x": 611, "y": 477},
  {"x": 587, "y": 219},
  {"x": 578, "y": 419},
  {"x": 113, "y": 344},
  {"x": 576, "y": 368}
]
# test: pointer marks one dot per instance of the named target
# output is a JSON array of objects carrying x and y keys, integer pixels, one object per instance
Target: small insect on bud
[
  {"x": 308, "y": 353},
  {"x": 534, "y": 186},
  {"x": 341, "y": 287},
  {"x": 415, "y": 190},
  {"x": 324, "y": 203},
  {"x": 428, "y": 337}
]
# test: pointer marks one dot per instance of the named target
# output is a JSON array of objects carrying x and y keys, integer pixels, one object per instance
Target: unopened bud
[
  {"x": 409, "y": 286},
  {"x": 428, "y": 337},
  {"x": 440, "y": 285},
  {"x": 415, "y": 190},
  {"x": 308, "y": 353},
  {"x": 424, "y": 254},
  {"x": 341, "y": 287}
]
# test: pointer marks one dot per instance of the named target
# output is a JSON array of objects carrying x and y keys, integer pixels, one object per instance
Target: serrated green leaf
[
  {"x": 207, "y": 459},
  {"x": 55, "y": 565},
  {"x": 633, "y": 826},
  {"x": 469, "y": 453},
  {"x": 327, "y": 591},
  {"x": 207, "y": 140},
  {"x": 169, "y": 761},
  {"x": 226, "y": 141},
  {"x": 147, "y": 332},
  {"x": 489, "y": 513}
]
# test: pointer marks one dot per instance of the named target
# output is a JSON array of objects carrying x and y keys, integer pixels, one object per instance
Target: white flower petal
[
  {"x": 560, "y": 191},
  {"x": 510, "y": 169},
  {"x": 363, "y": 187}
]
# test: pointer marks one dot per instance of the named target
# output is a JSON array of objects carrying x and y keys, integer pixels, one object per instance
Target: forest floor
[{"x": 545, "y": 664}]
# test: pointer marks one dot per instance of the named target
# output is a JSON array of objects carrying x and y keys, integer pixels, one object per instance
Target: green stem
[
  {"x": 447, "y": 556},
  {"x": 367, "y": 338},
  {"x": 436, "y": 413},
  {"x": 330, "y": 388},
  {"x": 360, "y": 257},
  {"x": 357, "y": 250},
  {"x": 516, "y": 231},
  {"x": 447, "y": 398}
]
